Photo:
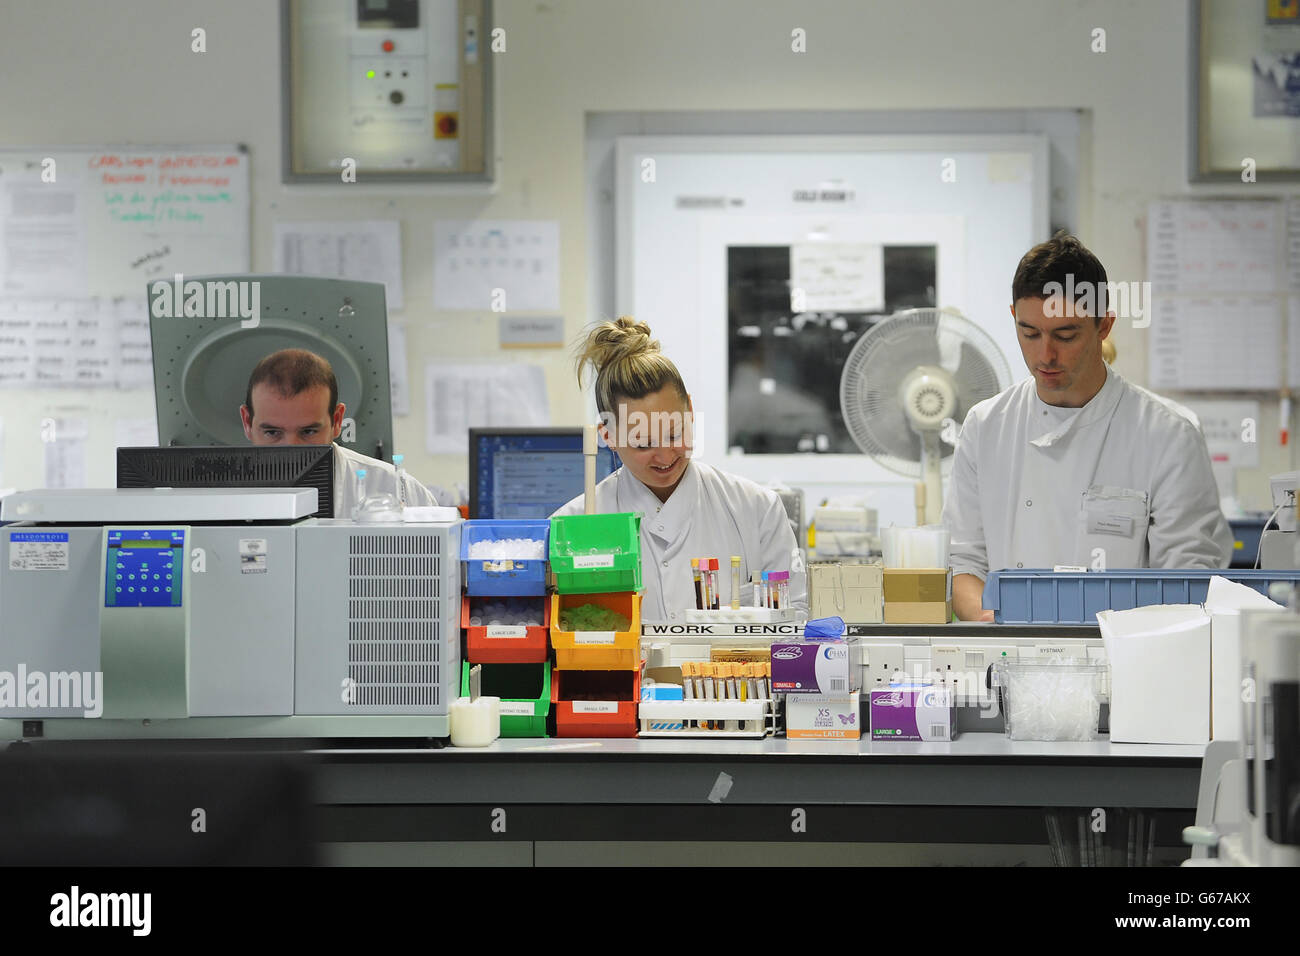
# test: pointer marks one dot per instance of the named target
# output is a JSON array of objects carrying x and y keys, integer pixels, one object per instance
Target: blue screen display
[
  {"x": 144, "y": 567},
  {"x": 521, "y": 475}
]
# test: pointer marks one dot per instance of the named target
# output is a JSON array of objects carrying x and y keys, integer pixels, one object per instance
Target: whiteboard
[
  {"x": 103, "y": 221},
  {"x": 704, "y": 194}
]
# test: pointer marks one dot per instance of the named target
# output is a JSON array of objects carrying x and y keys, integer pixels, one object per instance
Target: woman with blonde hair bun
[{"x": 689, "y": 509}]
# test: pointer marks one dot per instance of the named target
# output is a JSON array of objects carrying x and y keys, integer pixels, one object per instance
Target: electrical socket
[
  {"x": 880, "y": 662},
  {"x": 964, "y": 666}
]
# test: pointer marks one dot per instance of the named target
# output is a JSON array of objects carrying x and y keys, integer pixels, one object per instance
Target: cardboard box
[
  {"x": 912, "y": 712},
  {"x": 918, "y": 595},
  {"x": 907, "y": 613},
  {"x": 815, "y": 717},
  {"x": 1159, "y": 674},
  {"x": 917, "y": 585},
  {"x": 854, "y": 592},
  {"x": 816, "y": 667},
  {"x": 741, "y": 655}
]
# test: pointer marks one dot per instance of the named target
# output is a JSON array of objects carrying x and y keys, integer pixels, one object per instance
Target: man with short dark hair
[
  {"x": 293, "y": 399},
  {"x": 1075, "y": 465}
]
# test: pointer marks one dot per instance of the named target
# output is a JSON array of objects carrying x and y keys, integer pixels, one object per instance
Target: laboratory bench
[{"x": 980, "y": 799}]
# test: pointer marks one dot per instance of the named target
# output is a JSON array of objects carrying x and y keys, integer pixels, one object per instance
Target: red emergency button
[{"x": 388, "y": 46}]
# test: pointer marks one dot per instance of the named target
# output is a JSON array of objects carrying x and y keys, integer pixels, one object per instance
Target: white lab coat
[
  {"x": 1125, "y": 480},
  {"x": 380, "y": 477},
  {"x": 710, "y": 514}
]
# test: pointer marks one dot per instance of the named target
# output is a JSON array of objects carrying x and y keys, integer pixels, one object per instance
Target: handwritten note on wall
[
  {"x": 103, "y": 222},
  {"x": 82, "y": 233}
]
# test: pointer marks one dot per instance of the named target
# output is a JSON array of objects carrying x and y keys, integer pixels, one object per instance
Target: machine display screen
[
  {"x": 143, "y": 568},
  {"x": 528, "y": 473}
]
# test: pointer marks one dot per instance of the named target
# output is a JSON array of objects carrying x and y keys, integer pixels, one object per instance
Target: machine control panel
[{"x": 143, "y": 567}]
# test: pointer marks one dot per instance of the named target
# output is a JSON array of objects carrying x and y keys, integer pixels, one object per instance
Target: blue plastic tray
[
  {"x": 511, "y": 578},
  {"x": 1042, "y": 596}
]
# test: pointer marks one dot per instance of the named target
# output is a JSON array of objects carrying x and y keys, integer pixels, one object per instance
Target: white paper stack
[{"x": 925, "y": 547}]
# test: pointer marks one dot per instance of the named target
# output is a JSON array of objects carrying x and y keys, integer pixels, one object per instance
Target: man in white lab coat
[
  {"x": 1075, "y": 465},
  {"x": 293, "y": 399}
]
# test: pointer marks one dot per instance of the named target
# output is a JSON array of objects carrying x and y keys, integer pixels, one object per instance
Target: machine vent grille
[{"x": 394, "y": 619}]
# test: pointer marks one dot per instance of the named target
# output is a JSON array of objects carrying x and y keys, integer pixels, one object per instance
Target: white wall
[{"x": 83, "y": 72}]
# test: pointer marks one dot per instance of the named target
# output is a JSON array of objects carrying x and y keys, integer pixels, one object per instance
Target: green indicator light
[{"x": 370, "y": 74}]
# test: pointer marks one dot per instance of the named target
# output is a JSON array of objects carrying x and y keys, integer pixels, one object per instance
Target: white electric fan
[{"x": 904, "y": 379}]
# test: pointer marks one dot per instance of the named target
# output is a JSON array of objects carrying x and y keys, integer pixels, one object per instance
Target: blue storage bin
[
  {"x": 1042, "y": 596},
  {"x": 506, "y": 578}
]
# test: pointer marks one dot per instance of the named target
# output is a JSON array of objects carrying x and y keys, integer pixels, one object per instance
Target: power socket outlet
[
  {"x": 880, "y": 662},
  {"x": 964, "y": 666}
]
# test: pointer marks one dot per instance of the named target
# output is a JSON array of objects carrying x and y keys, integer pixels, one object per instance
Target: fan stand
[{"x": 929, "y": 490}]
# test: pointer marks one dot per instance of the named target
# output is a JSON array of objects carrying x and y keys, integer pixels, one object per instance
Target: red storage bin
[
  {"x": 506, "y": 645},
  {"x": 607, "y": 704}
]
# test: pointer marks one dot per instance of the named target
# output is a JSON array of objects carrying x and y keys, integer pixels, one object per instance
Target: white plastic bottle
[
  {"x": 401, "y": 479},
  {"x": 361, "y": 493}
]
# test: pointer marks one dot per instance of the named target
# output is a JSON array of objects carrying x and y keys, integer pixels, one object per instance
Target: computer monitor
[
  {"x": 201, "y": 363},
  {"x": 227, "y": 466},
  {"x": 528, "y": 472}
]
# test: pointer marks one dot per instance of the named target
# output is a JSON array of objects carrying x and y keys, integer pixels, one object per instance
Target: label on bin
[
  {"x": 497, "y": 567},
  {"x": 517, "y": 708},
  {"x": 593, "y": 561},
  {"x": 593, "y": 637},
  {"x": 595, "y": 707},
  {"x": 507, "y": 630}
]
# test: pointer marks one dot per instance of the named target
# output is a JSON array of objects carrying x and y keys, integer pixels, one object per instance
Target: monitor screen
[{"x": 528, "y": 472}]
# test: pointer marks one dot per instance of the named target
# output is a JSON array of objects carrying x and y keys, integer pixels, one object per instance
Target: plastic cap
[
  {"x": 713, "y": 564},
  {"x": 398, "y": 459},
  {"x": 695, "y": 562},
  {"x": 735, "y": 560}
]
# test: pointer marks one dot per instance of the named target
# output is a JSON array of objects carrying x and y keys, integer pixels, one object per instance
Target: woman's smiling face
[{"x": 653, "y": 437}]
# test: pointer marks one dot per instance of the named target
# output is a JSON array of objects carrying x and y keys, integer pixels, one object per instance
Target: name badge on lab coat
[{"x": 1110, "y": 524}]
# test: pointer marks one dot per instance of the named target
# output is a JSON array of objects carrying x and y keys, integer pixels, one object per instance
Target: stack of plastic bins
[
  {"x": 515, "y": 658},
  {"x": 596, "y": 559}
]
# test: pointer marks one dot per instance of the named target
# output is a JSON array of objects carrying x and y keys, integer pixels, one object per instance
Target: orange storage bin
[
  {"x": 499, "y": 644},
  {"x": 605, "y": 706},
  {"x": 597, "y": 650}
]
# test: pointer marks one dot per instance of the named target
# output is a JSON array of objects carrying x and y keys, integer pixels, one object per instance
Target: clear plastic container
[{"x": 1049, "y": 698}]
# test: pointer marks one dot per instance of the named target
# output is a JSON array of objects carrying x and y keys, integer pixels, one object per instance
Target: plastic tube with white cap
[{"x": 589, "y": 448}]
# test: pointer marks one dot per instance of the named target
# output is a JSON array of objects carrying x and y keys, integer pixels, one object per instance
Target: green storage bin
[
  {"x": 509, "y": 681},
  {"x": 593, "y": 554}
]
